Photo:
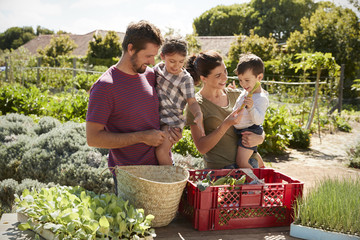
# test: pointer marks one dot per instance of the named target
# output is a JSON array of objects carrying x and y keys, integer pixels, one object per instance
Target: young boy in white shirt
[{"x": 250, "y": 70}]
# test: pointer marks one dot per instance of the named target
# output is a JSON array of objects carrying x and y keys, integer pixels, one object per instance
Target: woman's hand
[
  {"x": 234, "y": 117},
  {"x": 250, "y": 139},
  {"x": 232, "y": 85}
]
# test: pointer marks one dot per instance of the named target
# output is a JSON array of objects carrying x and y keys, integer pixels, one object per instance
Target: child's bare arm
[{"x": 195, "y": 109}]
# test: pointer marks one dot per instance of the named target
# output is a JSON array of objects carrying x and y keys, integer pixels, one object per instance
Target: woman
[{"x": 219, "y": 144}]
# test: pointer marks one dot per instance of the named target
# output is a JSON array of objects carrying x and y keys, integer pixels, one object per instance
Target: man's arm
[{"x": 97, "y": 136}]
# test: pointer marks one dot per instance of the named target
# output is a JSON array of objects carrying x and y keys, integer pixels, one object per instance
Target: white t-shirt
[{"x": 256, "y": 114}]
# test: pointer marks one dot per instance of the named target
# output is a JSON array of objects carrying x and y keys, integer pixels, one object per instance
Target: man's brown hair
[{"x": 141, "y": 33}]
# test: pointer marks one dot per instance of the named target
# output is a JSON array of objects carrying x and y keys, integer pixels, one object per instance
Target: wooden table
[{"x": 180, "y": 228}]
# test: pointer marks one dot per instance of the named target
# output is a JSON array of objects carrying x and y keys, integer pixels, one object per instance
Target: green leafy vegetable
[{"x": 75, "y": 213}]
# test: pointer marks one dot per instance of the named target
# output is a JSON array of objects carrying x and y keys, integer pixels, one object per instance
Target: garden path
[{"x": 327, "y": 157}]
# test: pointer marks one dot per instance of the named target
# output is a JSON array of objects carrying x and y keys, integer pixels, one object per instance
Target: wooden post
[
  {"x": 6, "y": 69},
  {"x": 74, "y": 67},
  {"x": 315, "y": 99},
  {"x": 318, "y": 117},
  {"x": 266, "y": 85},
  {"x": 38, "y": 70},
  {"x": 341, "y": 87}
]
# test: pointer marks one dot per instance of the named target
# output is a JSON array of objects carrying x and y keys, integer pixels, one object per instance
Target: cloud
[
  {"x": 26, "y": 13},
  {"x": 81, "y": 4}
]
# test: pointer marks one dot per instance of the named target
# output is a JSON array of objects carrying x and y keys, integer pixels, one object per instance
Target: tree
[
  {"x": 276, "y": 17},
  {"x": 44, "y": 31},
  {"x": 59, "y": 45},
  {"x": 335, "y": 30},
  {"x": 265, "y": 48},
  {"x": 14, "y": 37},
  {"x": 222, "y": 20},
  {"x": 107, "y": 47},
  {"x": 315, "y": 61},
  {"x": 194, "y": 46},
  {"x": 355, "y": 3},
  {"x": 279, "y": 17}
]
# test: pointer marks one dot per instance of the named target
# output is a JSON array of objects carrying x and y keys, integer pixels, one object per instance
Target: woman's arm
[
  {"x": 250, "y": 139},
  {"x": 206, "y": 143},
  {"x": 195, "y": 109}
]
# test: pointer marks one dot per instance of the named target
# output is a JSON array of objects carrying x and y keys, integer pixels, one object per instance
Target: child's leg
[
  {"x": 242, "y": 157},
  {"x": 259, "y": 159},
  {"x": 163, "y": 151}
]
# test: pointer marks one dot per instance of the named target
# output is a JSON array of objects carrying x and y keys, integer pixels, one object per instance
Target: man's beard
[{"x": 136, "y": 67}]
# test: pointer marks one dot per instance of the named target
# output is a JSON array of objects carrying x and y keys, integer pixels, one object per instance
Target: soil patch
[{"x": 327, "y": 157}]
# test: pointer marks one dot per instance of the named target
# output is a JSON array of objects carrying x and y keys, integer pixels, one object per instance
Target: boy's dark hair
[
  {"x": 203, "y": 64},
  {"x": 141, "y": 33},
  {"x": 249, "y": 61},
  {"x": 174, "y": 45}
]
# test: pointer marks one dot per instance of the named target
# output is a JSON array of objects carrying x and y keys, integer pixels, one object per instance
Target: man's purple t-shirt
[{"x": 126, "y": 103}]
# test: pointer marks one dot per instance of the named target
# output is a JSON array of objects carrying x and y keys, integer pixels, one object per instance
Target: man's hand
[{"x": 153, "y": 137}]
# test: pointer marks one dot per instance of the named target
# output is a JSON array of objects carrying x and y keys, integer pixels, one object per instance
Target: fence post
[
  {"x": 74, "y": 67},
  {"x": 6, "y": 69},
  {"x": 341, "y": 87},
  {"x": 267, "y": 83},
  {"x": 38, "y": 70}
]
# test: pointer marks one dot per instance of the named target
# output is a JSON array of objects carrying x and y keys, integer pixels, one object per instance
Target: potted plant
[{"x": 330, "y": 211}]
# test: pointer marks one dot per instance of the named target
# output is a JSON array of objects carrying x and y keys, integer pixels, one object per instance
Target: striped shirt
[
  {"x": 173, "y": 92},
  {"x": 126, "y": 103}
]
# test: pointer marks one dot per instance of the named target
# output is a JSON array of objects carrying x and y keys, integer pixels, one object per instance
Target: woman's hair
[
  {"x": 174, "y": 45},
  {"x": 203, "y": 64},
  {"x": 249, "y": 61},
  {"x": 141, "y": 33}
]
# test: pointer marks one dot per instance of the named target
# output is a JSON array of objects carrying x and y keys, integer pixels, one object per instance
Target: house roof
[
  {"x": 82, "y": 41},
  {"x": 218, "y": 43}
]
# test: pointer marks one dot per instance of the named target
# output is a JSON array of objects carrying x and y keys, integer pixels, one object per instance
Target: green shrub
[
  {"x": 58, "y": 154},
  {"x": 277, "y": 131},
  {"x": 300, "y": 138},
  {"x": 46, "y": 124},
  {"x": 15, "y": 124},
  {"x": 70, "y": 106},
  {"x": 354, "y": 156},
  {"x": 341, "y": 124},
  {"x": 186, "y": 145},
  {"x": 11, "y": 154},
  {"x": 85, "y": 81},
  {"x": 16, "y": 98},
  {"x": 65, "y": 106}
]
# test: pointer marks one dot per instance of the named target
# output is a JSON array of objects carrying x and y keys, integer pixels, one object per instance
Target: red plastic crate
[{"x": 243, "y": 206}]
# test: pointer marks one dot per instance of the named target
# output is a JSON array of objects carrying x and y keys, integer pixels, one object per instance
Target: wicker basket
[{"x": 156, "y": 189}]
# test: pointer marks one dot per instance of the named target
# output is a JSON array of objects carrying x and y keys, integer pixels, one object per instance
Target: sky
[{"x": 84, "y": 16}]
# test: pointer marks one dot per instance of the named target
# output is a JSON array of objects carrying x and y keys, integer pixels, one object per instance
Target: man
[{"x": 123, "y": 111}]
